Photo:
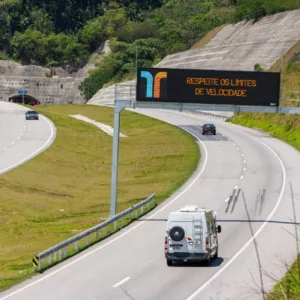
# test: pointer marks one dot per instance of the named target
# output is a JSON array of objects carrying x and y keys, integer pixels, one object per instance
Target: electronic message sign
[{"x": 208, "y": 86}]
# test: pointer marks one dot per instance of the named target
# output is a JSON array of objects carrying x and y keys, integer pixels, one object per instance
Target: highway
[
  {"x": 131, "y": 264},
  {"x": 21, "y": 140}
]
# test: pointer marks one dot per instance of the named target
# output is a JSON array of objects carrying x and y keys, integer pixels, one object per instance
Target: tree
[{"x": 29, "y": 46}]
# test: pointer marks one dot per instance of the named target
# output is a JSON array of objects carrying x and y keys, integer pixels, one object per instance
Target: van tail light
[
  {"x": 207, "y": 244},
  {"x": 166, "y": 243}
]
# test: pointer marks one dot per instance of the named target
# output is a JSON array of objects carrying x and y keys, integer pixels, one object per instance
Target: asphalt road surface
[
  {"x": 131, "y": 264},
  {"x": 20, "y": 139}
]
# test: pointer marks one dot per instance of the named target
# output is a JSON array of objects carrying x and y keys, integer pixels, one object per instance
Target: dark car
[
  {"x": 209, "y": 128},
  {"x": 31, "y": 115}
]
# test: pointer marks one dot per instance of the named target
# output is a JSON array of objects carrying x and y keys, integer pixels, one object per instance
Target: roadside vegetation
[
  {"x": 68, "y": 32},
  {"x": 66, "y": 189}
]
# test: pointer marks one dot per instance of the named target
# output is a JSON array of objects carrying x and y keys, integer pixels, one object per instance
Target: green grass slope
[{"x": 66, "y": 189}]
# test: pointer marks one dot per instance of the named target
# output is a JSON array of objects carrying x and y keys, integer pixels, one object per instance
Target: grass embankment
[
  {"x": 286, "y": 128},
  {"x": 66, "y": 189},
  {"x": 288, "y": 287}
]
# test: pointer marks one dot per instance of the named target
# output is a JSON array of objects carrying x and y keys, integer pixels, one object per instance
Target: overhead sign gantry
[{"x": 192, "y": 89}]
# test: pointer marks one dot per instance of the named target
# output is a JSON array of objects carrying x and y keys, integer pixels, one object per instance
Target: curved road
[
  {"x": 21, "y": 140},
  {"x": 131, "y": 264}
]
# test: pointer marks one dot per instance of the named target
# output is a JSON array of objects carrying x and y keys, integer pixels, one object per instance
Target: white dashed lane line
[
  {"x": 19, "y": 138},
  {"x": 121, "y": 282}
]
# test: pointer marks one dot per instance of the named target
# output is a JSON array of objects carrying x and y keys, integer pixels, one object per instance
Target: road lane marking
[
  {"x": 32, "y": 154},
  {"x": 244, "y": 161},
  {"x": 236, "y": 187},
  {"x": 244, "y": 169},
  {"x": 217, "y": 274},
  {"x": 227, "y": 199},
  {"x": 121, "y": 235},
  {"x": 238, "y": 148},
  {"x": 121, "y": 282},
  {"x": 243, "y": 154},
  {"x": 242, "y": 177}
]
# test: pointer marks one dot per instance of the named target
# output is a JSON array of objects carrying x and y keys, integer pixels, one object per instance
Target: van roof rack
[{"x": 191, "y": 208}]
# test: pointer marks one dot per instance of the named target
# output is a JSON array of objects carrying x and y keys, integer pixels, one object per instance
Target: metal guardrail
[
  {"x": 204, "y": 114},
  {"x": 61, "y": 251}
]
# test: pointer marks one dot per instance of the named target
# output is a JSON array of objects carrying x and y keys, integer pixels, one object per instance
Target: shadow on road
[{"x": 216, "y": 262}]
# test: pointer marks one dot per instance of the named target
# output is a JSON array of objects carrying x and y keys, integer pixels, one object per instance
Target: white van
[{"x": 191, "y": 235}]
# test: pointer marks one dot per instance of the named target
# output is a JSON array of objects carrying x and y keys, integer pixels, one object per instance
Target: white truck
[{"x": 191, "y": 235}]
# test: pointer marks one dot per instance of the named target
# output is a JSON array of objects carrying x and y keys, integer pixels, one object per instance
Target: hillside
[{"x": 235, "y": 47}]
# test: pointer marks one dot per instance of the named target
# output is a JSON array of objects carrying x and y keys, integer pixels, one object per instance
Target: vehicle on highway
[
  {"x": 209, "y": 128},
  {"x": 31, "y": 115},
  {"x": 191, "y": 235}
]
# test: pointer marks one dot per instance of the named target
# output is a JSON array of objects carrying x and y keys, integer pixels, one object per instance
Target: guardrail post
[
  {"x": 142, "y": 209},
  {"x": 122, "y": 221},
  {"x": 55, "y": 253},
  {"x": 86, "y": 240},
  {"x": 59, "y": 254},
  {"x": 65, "y": 251},
  {"x": 97, "y": 235},
  {"x": 115, "y": 225},
  {"x": 76, "y": 246},
  {"x": 136, "y": 213},
  {"x": 49, "y": 259}
]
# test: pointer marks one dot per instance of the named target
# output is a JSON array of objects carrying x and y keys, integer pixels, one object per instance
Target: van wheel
[
  {"x": 169, "y": 262},
  {"x": 216, "y": 254},
  {"x": 207, "y": 262}
]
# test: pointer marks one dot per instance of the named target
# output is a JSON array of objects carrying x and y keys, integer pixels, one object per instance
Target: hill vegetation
[{"x": 67, "y": 32}]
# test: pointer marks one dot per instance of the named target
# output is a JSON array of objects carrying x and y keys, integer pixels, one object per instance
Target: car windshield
[
  {"x": 32, "y": 112},
  {"x": 209, "y": 126}
]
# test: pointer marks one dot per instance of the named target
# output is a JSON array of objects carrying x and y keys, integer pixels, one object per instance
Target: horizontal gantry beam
[{"x": 121, "y": 104}]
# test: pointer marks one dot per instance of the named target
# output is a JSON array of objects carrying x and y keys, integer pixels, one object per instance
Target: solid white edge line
[
  {"x": 121, "y": 282},
  {"x": 256, "y": 233},
  {"x": 123, "y": 234},
  {"x": 34, "y": 153}
]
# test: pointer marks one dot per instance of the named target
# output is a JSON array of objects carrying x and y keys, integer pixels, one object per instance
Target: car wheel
[{"x": 169, "y": 262}]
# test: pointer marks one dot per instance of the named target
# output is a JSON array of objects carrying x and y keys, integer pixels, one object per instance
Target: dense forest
[{"x": 64, "y": 32}]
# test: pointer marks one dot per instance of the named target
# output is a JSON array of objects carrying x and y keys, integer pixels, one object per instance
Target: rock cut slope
[{"x": 236, "y": 47}]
